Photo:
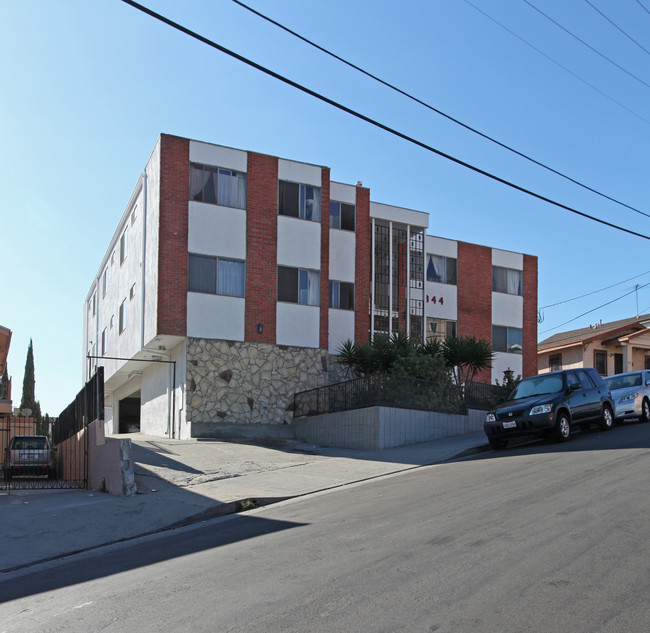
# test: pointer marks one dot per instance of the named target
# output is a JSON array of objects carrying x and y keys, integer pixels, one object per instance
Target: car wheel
[
  {"x": 496, "y": 443},
  {"x": 607, "y": 419},
  {"x": 562, "y": 430},
  {"x": 645, "y": 410}
]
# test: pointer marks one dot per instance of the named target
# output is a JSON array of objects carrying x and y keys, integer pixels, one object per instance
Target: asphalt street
[{"x": 542, "y": 537}]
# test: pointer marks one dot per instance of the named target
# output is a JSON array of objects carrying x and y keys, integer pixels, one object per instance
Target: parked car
[
  {"x": 631, "y": 395},
  {"x": 551, "y": 404},
  {"x": 29, "y": 455}
]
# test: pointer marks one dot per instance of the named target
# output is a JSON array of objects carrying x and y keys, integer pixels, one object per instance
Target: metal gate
[
  {"x": 51, "y": 453},
  {"x": 35, "y": 458}
]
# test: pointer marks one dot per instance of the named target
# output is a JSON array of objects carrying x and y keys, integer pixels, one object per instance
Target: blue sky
[{"x": 87, "y": 87}]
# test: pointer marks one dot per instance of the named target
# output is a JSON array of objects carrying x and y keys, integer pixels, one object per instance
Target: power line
[
  {"x": 643, "y": 6},
  {"x": 557, "y": 63},
  {"x": 627, "y": 294},
  {"x": 371, "y": 121},
  {"x": 616, "y": 26},
  {"x": 552, "y": 305},
  {"x": 591, "y": 48},
  {"x": 434, "y": 109}
]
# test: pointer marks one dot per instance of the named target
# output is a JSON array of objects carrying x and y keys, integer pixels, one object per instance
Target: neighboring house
[
  {"x": 5, "y": 381},
  {"x": 233, "y": 277},
  {"x": 611, "y": 348}
]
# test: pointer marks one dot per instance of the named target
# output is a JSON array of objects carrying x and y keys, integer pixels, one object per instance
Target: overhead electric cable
[
  {"x": 436, "y": 110},
  {"x": 627, "y": 294},
  {"x": 557, "y": 63},
  {"x": 616, "y": 26},
  {"x": 371, "y": 121},
  {"x": 643, "y": 6},
  {"x": 589, "y": 46},
  {"x": 552, "y": 305}
]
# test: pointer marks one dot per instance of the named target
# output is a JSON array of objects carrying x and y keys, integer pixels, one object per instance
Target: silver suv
[{"x": 30, "y": 455}]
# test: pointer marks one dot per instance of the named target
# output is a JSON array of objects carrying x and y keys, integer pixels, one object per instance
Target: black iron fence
[
  {"x": 482, "y": 395},
  {"x": 53, "y": 452},
  {"x": 380, "y": 390},
  {"x": 397, "y": 391}
]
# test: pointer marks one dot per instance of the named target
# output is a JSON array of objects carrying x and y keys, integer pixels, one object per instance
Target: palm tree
[{"x": 466, "y": 356}]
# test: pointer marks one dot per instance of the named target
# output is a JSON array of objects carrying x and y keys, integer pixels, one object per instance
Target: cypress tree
[{"x": 28, "y": 400}]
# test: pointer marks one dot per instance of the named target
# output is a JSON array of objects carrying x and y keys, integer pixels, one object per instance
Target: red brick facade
[
  {"x": 173, "y": 233},
  {"x": 261, "y": 247},
  {"x": 475, "y": 295},
  {"x": 530, "y": 317},
  {"x": 362, "y": 267},
  {"x": 324, "y": 258}
]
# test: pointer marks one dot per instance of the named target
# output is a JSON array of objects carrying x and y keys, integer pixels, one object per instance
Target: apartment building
[{"x": 233, "y": 277}]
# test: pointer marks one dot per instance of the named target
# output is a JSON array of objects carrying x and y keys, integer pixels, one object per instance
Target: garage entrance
[{"x": 129, "y": 414}]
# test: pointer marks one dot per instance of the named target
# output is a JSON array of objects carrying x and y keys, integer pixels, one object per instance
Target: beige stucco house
[{"x": 611, "y": 348}]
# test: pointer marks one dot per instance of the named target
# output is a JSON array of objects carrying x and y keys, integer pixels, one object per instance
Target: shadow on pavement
[{"x": 141, "y": 554}]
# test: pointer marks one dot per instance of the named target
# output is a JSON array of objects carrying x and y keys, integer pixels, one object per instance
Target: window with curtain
[
  {"x": 342, "y": 295},
  {"x": 299, "y": 285},
  {"x": 507, "y": 280},
  {"x": 299, "y": 201},
  {"x": 507, "y": 339},
  {"x": 441, "y": 269},
  {"x": 216, "y": 185},
  {"x": 216, "y": 275}
]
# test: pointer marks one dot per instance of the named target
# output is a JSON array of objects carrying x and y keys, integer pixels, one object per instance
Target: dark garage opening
[{"x": 130, "y": 415}]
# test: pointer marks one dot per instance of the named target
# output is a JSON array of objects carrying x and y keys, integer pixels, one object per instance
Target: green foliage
[
  {"x": 28, "y": 400},
  {"x": 460, "y": 356},
  {"x": 467, "y": 355}
]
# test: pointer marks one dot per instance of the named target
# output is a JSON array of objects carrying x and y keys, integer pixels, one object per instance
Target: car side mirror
[{"x": 574, "y": 387}]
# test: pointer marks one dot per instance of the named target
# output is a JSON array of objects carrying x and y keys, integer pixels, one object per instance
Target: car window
[
  {"x": 537, "y": 386},
  {"x": 30, "y": 443},
  {"x": 572, "y": 379},
  {"x": 624, "y": 381},
  {"x": 585, "y": 381}
]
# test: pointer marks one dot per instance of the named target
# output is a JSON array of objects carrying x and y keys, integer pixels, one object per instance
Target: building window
[
  {"x": 111, "y": 322},
  {"x": 297, "y": 285},
  {"x": 555, "y": 362},
  {"x": 121, "y": 319},
  {"x": 506, "y": 339},
  {"x": 133, "y": 215},
  {"x": 441, "y": 269},
  {"x": 103, "y": 341},
  {"x": 440, "y": 329},
  {"x": 342, "y": 216},
  {"x": 104, "y": 283},
  {"x": 600, "y": 362},
  {"x": 647, "y": 362},
  {"x": 216, "y": 185},
  {"x": 216, "y": 275},
  {"x": 507, "y": 280},
  {"x": 299, "y": 201},
  {"x": 132, "y": 292},
  {"x": 94, "y": 303},
  {"x": 341, "y": 295},
  {"x": 124, "y": 246}
]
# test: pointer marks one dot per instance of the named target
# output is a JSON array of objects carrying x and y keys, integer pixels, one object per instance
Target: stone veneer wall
[{"x": 244, "y": 382}]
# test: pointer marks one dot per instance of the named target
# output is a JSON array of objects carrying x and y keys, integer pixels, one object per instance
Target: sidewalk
[{"x": 180, "y": 482}]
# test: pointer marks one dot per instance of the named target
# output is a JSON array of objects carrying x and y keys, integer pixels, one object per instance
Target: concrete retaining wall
[
  {"x": 110, "y": 468},
  {"x": 373, "y": 428},
  {"x": 376, "y": 428}
]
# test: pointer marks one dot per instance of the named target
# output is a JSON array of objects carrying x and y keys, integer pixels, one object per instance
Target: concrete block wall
[{"x": 376, "y": 428}]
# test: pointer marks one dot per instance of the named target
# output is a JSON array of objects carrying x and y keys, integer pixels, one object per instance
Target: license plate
[{"x": 510, "y": 425}]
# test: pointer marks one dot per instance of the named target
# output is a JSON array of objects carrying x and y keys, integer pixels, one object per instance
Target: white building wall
[
  {"x": 297, "y": 325},
  {"x": 215, "y": 316},
  {"x": 342, "y": 255},
  {"x": 340, "y": 192},
  {"x": 434, "y": 291},
  {"x": 507, "y": 259},
  {"x": 152, "y": 244},
  {"x": 218, "y": 156},
  {"x": 507, "y": 310},
  {"x": 298, "y": 243},
  {"x": 215, "y": 230},
  {"x": 300, "y": 172},
  {"x": 341, "y": 328},
  {"x": 503, "y": 361}
]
